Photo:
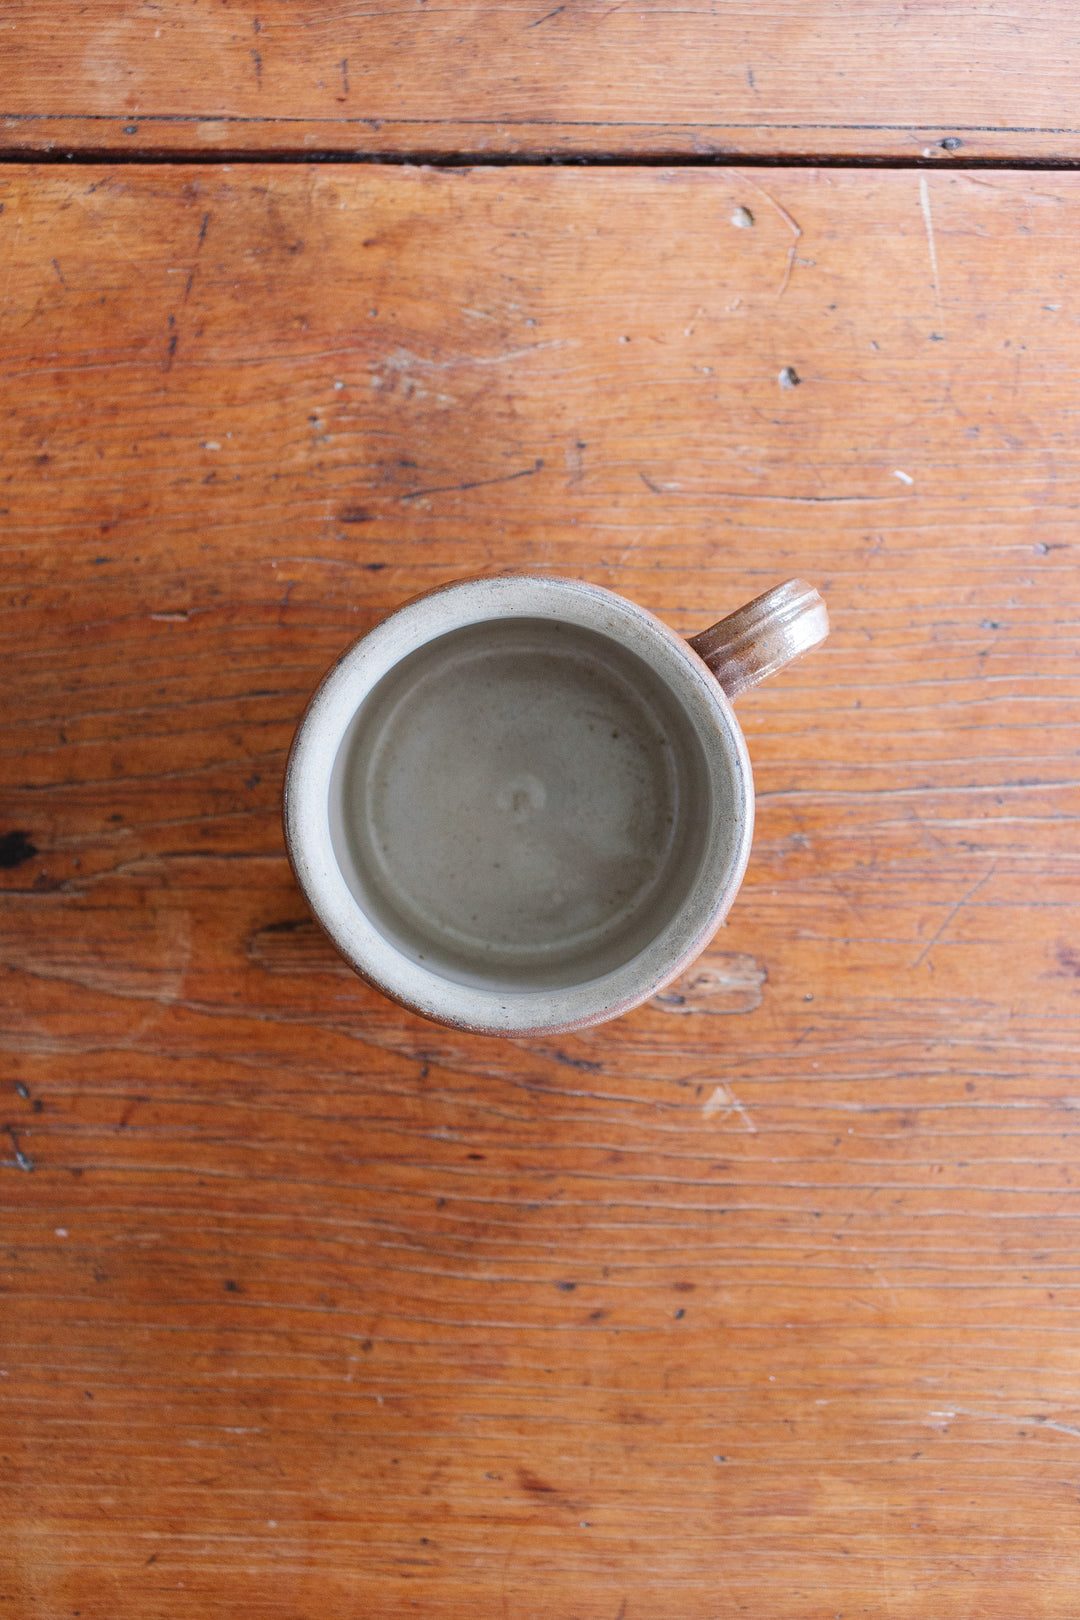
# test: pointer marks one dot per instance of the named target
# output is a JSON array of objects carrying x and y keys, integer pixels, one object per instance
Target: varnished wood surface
[
  {"x": 761, "y": 1300},
  {"x": 953, "y": 79}
]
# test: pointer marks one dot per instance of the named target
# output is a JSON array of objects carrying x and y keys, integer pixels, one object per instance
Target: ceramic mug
[{"x": 523, "y": 804}]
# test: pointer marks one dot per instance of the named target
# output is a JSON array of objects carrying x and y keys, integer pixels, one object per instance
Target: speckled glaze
[{"x": 524, "y": 804}]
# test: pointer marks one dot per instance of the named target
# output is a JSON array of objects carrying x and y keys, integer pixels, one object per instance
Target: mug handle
[{"x": 763, "y": 636}]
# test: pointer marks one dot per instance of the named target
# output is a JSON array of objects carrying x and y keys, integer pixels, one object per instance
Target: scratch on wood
[
  {"x": 959, "y": 906},
  {"x": 928, "y": 218},
  {"x": 475, "y": 483},
  {"x": 793, "y": 226}
]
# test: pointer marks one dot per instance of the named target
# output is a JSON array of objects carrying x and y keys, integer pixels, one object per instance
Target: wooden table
[{"x": 762, "y": 1299}]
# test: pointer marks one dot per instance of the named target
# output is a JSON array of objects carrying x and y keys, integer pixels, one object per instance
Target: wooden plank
[
  {"x": 958, "y": 78},
  {"x": 762, "y": 1301},
  {"x": 133, "y": 138}
]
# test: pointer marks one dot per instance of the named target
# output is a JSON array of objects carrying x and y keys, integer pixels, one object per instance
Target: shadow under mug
[{"x": 524, "y": 804}]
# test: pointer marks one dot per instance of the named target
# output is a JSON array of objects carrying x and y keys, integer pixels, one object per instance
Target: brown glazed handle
[{"x": 763, "y": 636}]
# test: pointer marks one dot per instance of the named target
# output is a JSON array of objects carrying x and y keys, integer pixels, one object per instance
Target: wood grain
[
  {"x": 952, "y": 79},
  {"x": 759, "y": 1302}
]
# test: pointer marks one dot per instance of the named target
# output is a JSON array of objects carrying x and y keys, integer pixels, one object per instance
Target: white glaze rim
[{"x": 499, "y": 1012}]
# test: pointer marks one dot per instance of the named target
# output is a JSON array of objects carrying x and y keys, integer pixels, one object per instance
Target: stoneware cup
[{"x": 524, "y": 804}]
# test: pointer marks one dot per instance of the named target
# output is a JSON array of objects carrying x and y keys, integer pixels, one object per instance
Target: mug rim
[{"x": 325, "y": 725}]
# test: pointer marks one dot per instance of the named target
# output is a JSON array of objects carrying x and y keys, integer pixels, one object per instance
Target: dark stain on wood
[{"x": 15, "y": 850}]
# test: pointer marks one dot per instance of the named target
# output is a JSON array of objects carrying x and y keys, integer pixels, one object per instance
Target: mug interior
[{"x": 521, "y": 804}]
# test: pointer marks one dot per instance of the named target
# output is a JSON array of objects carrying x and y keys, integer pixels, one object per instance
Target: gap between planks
[{"x": 180, "y": 157}]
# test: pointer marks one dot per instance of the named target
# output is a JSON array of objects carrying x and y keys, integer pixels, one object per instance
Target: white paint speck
[
  {"x": 211, "y": 444},
  {"x": 61, "y": 1231},
  {"x": 905, "y": 478},
  {"x": 339, "y": 385}
]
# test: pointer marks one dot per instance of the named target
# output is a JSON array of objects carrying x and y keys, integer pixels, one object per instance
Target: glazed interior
[{"x": 521, "y": 804}]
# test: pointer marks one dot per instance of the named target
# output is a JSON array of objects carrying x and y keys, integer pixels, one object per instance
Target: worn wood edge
[{"x": 131, "y": 138}]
